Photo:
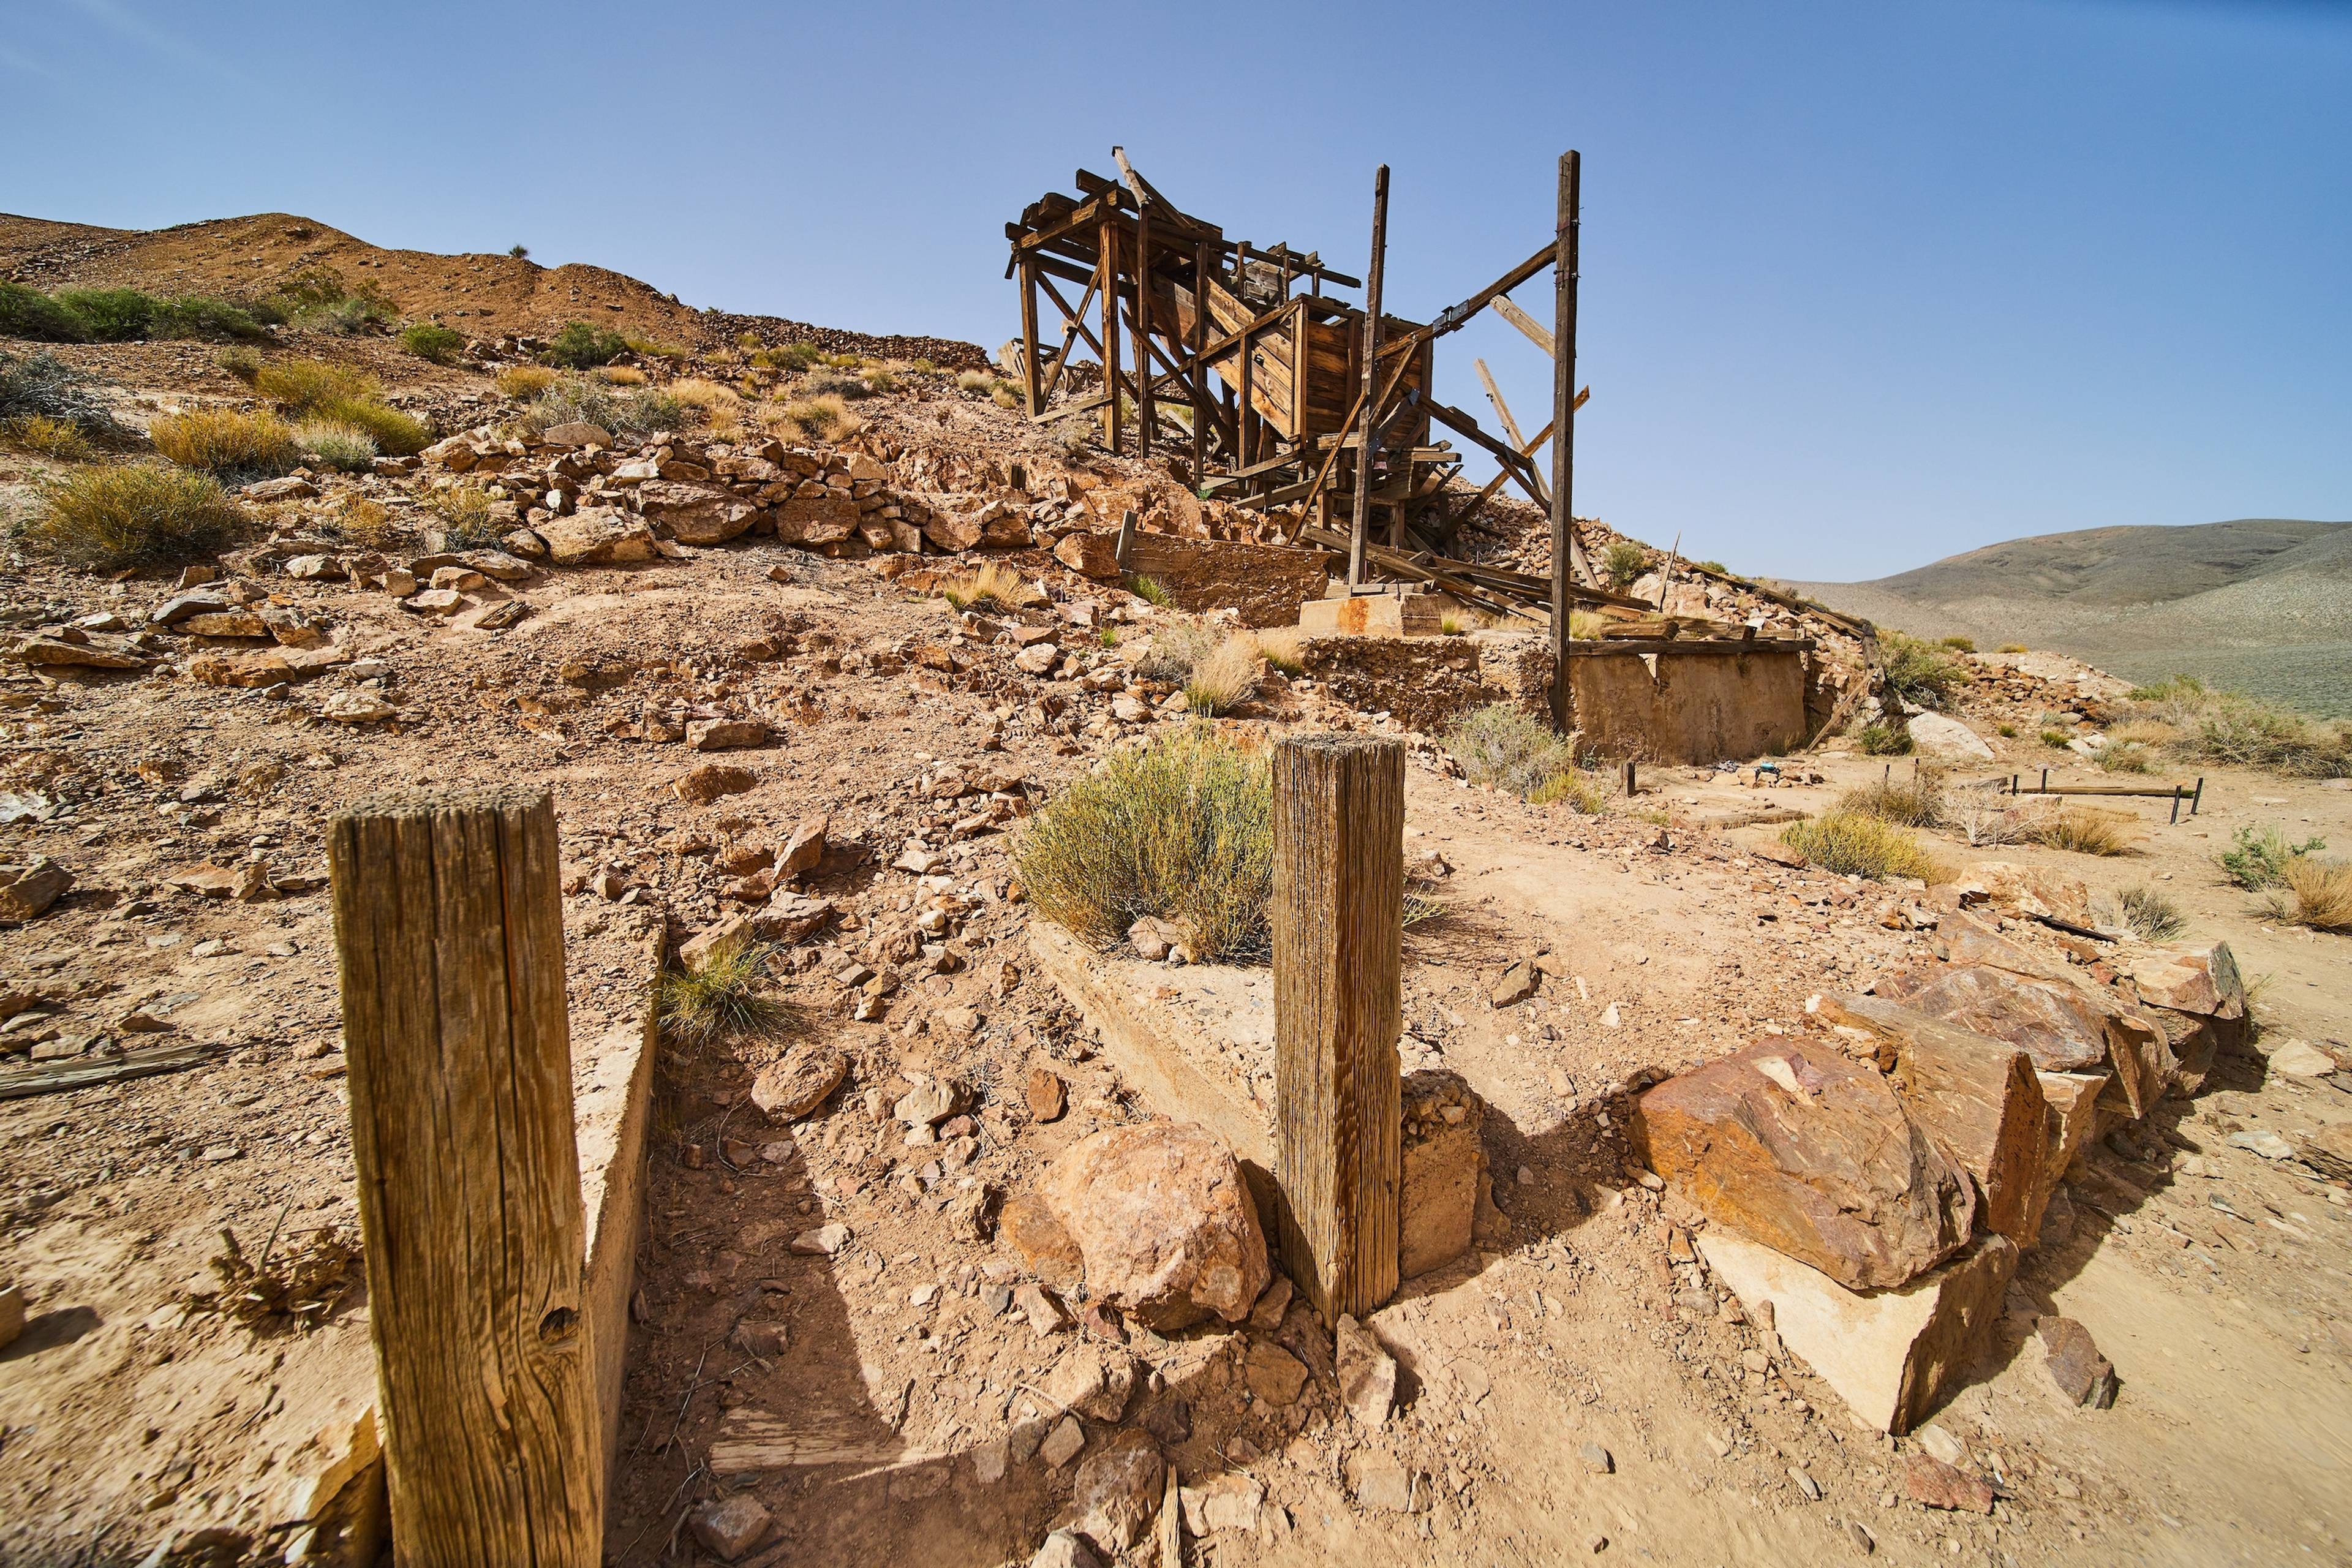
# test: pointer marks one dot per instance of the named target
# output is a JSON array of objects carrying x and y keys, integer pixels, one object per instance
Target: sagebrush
[
  {"x": 1852, "y": 844},
  {"x": 139, "y": 514}
]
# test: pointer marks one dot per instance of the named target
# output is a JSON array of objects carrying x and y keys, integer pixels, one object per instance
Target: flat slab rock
[{"x": 1794, "y": 1145}]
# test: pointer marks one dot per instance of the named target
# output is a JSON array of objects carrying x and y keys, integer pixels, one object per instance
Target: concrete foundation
[{"x": 1689, "y": 701}]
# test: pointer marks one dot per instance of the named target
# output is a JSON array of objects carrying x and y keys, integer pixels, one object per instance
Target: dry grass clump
[
  {"x": 1179, "y": 829},
  {"x": 1153, "y": 591},
  {"x": 1225, "y": 679},
  {"x": 303, "y": 385},
  {"x": 226, "y": 442},
  {"x": 2150, "y": 915},
  {"x": 2315, "y": 893},
  {"x": 467, "y": 521},
  {"x": 722, "y": 999},
  {"x": 141, "y": 514},
  {"x": 621, "y": 375},
  {"x": 59, "y": 440},
  {"x": 834, "y": 384},
  {"x": 362, "y": 522},
  {"x": 524, "y": 381},
  {"x": 337, "y": 446},
  {"x": 824, "y": 417},
  {"x": 2083, "y": 829},
  {"x": 1920, "y": 673},
  {"x": 2224, "y": 727},
  {"x": 1913, "y": 803},
  {"x": 1981, "y": 820},
  {"x": 1507, "y": 749},
  {"x": 638, "y": 411},
  {"x": 1176, "y": 648},
  {"x": 1284, "y": 647},
  {"x": 990, "y": 587},
  {"x": 2260, "y": 855},
  {"x": 1573, "y": 788},
  {"x": 1854, "y": 844},
  {"x": 395, "y": 434}
]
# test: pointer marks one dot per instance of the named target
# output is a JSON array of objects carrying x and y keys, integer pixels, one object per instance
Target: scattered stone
[
  {"x": 733, "y": 1527},
  {"x": 712, "y": 780},
  {"x": 1047, "y": 1095},
  {"x": 1383, "y": 1484},
  {"x": 575, "y": 433},
  {"x": 1065, "y": 1549},
  {"x": 1227, "y": 1502},
  {"x": 1063, "y": 1442},
  {"x": 1518, "y": 982},
  {"x": 1044, "y": 1314},
  {"x": 1092, "y": 1381},
  {"x": 357, "y": 708},
  {"x": 825, "y": 1241},
  {"x": 1368, "y": 1374},
  {"x": 597, "y": 536},
  {"x": 1596, "y": 1460},
  {"x": 1267, "y": 1315},
  {"x": 2074, "y": 1363},
  {"x": 56, "y": 652},
  {"x": 2299, "y": 1058},
  {"x": 697, "y": 951},
  {"x": 1092, "y": 555},
  {"x": 1805, "y": 1484},
  {"x": 1273, "y": 1373},
  {"x": 803, "y": 848},
  {"x": 1864, "y": 1541},
  {"x": 933, "y": 1102},
  {"x": 1117, "y": 1490},
  {"x": 791, "y": 1088},
  {"x": 291, "y": 488},
  {"x": 28, "y": 890},
  {"x": 1930, "y": 1482},
  {"x": 726, "y": 734},
  {"x": 1936, "y": 1439}
]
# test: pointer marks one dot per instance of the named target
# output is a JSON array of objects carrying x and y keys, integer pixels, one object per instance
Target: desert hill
[
  {"x": 480, "y": 295},
  {"x": 2260, "y": 604}
]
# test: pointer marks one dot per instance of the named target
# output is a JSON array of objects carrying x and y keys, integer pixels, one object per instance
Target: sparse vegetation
[
  {"x": 1507, "y": 748},
  {"x": 128, "y": 315},
  {"x": 2224, "y": 727},
  {"x": 1225, "y": 679},
  {"x": 2006, "y": 730},
  {"x": 229, "y": 445},
  {"x": 1178, "y": 645},
  {"x": 520, "y": 252},
  {"x": 579, "y": 346},
  {"x": 59, "y": 440},
  {"x": 990, "y": 587},
  {"x": 2014, "y": 647},
  {"x": 2150, "y": 915},
  {"x": 29, "y": 314},
  {"x": 1283, "y": 648},
  {"x": 638, "y": 411},
  {"x": 241, "y": 361},
  {"x": 467, "y": 521},
  {"x": 1910, "y": 803},
  {"x": 140, "y": 514},
  {"x": 722, "y": 999},
  {"x": 1852, "y": 844},
  {"x": 2259, "y": 857},
  {"x": 825, "y": 419},
  {"x": 362, "y": 522},
  {"x": 1919, "y": 673},
  {"x": 2057, "y": 739},
  {"x": 340, "y": 446},
  {"x": 834, "y": 384},
  {"x": 304, "y": 385},
  {"x": 1880, "y": 738},
  {"x": 1151, "y": 591},
  {"x": 621, "y": 375},
  {"x": 1622, "y": 561},
  {"x": 41, "y": 386},
  {"x": 522, "y": 381},
  {"x": 1981, "y": 819},
  {"x": 790, "y": 356},
  {"x": 2315, "y": 893},
  {"x": 433, "y": 342},
  {"x": 1957, "y": 644},
  {"x": 1574, "y": 788},
  {"x": 395, "y": 434},
  {"x": 1181, "y": 829},
  {"x": 2082, "y": 829}
]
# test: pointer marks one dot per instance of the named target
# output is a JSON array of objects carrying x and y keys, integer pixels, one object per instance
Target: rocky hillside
[{"x": 2262, "y": 605}]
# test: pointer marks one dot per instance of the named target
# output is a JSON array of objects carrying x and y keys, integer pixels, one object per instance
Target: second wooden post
[
  {"x": 449, "y": 929},
  {"x": 1337, "y": 912}
]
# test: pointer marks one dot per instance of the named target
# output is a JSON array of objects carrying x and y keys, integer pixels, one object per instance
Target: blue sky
[{"x": 1864, "y": 284}]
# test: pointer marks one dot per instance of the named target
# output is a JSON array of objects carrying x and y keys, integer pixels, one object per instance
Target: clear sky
[{"x": 1864, "y": 284}]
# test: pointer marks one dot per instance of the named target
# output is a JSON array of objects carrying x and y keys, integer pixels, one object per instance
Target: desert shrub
[
  {"x": 520, "y": 380},
  {"x": 1073, "y": 437},
  {"x": 362, "y": 522},
  {"x": 2127, "y": 757},
  {"x": 306, "y": 288},
  {"x": 878, "y": 379},
  {"x": 721, "y": 999},
  {"x": 2014, "y": 647},
  {"x": 1851, "y": 844},
  {"x": 2150, "y": 915},
  {"x": 790, "y": 356},
  {"x": 59, "y": 440},
  {"x": 653, "y": 348},
  {"x": 1283, "y": 648},
  {"x": 467, "y": 521},
  {"x": 834, "y": 384},
  {"x": 1153, "y": 591},
  {"x": 201, "y": 316},
  {"x": 2006, "y": 730},
  {"x": 1622, "y": 561},
  {"x": 825, "y": 419},
  {"x": 2315, "y": 893},
  {"x": 1880, "y": 738},
  {"x": 2057, "y": 739},
  {"x": 1176, "y": 648},
  {"x": 2260, "y": 855},
  {"x": 1573, "y": 788},
  {"x": 2084, "y": 830},
  {"x": 1957, "y": 644},
  {"x": 395, "y": 434},
  {"x": 1911, "y": 803},
  {"x": 41, "y": 386},
  {"x": 241, "y": 361},
  {"x": 29, "y": 314},
  {"x": 140, "y": 514},
  {"x": 579, "y": 346},
  {"x": 110, "y": 315},
  {"x": 1507, "y": 748},
  {"x": 352, "y": 315},
  {"x": 975, "y": 381},
  {"x": 340, "y": 446},
  {"x": 991, "y": 587},
  {"x": 703, "y": 395},
  {"x": 226, "y": 443},
  {"x": 1224, "y": 678},
  {"x": 1005, "y": 397},
  {"x": 621, "y": 375},
  {"x": 638, "y": 411},
  {"x": 1179, "y": 829},
  {"x": 2224, "y": 727},
  {"x": 433, "y": 342},
  {"x": 1920, "y": 673},
  {"x": 1981, "y": 819},
  {"x": 1586, "y": 626},
  {"x": 303, "y": 385}
]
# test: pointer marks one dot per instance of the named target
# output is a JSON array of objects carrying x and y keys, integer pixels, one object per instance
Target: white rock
[
  {"x": 1941, "y": 735},
  {"x": 2300, "y": 1059}
]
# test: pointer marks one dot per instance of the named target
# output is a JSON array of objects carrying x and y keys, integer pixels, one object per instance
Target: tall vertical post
[
  {"x": 1563, "y": 415},
  {"x": 449, "y": 934},
  {"x": 1337, "y": 913},
  {"x": 1365, "y": 441},
  {"x": 1031, "y": 385},
  {"x": 1109, "y": 247},
  {"x": 1199, "y": 366},
  {"x": 1140, "y": 318}
]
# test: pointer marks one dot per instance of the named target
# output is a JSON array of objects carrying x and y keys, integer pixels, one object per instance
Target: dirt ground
[{"x": 891, "y": 1384}]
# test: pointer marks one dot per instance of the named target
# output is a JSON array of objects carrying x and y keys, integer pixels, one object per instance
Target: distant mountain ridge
[{"x": 2258, "y": 604}]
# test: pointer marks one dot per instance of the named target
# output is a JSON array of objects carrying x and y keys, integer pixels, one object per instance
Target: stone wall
[
  {"x": 1266, "y": 582},
  {"x": 1427, "y": 682},
  {"x": 1701, "y": 703}
]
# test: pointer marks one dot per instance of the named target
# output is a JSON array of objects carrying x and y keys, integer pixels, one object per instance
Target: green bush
[
  {"x": 110, "y": 315},
  {"x": 395, "y": 434},
  {"x": 1958, "y": 644},
  {"x": 579, "y": 346},
  {"x": 1622, "y": 561},
  {"x": 1920, "y": 673},
  {"x": 43, "y": 386},
  {"x": 1181, "y": 829},
  {"x": 1880, "y": 738},
  {"x": 1509, "y": 749},
  {"x": 141, "y": 514},
  {"x": 29, "y": 314},
  {"x": 198, "y": 316},
  {"x": 721, "y": 999},
  {"x": 431, "y": 341},
  {"x": 2224, "y": 727},
  {"x": 1851, "y": 844},
  {"x": 2261, "y": 855}
]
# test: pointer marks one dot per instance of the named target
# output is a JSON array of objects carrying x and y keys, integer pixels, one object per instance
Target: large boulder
[
  {"x": 597, "y": 536},
  {"x": 1158, "y": 1219},
  {"x": 1117, "y": 1491},
  {"x": 2063, "y": 1025},
  {"x": 695, "y": 514},
  {"x": 1798, "y": 1147},
  {"x": 27, "y": 890},
  {"x": 826, "y": 519}
]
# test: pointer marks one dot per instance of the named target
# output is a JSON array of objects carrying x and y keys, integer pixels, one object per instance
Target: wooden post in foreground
[
  {"x": 1337, "y": 911},
  {"x": 449, "y": 930}
]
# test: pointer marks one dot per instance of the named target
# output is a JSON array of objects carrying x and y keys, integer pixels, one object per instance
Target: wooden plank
[
  {"x": 1511, "y": 426},
  {"x": 1368, "y": 438},
  {"x": 1339, "y": 890},
  {"x": 1140, "y": 319},
  {"x": 450, "y": 933},
  {"x": 1564, "y": 543},
  {"x": 1109, "y": 348},
  {"x": 1524, "y": 322},
  {"x": 1030, "y": 388},
  {"x": 1456, "y": 316},
  {"x": 1200, "y": 385},
  {"x": 87, "y": 1072}
]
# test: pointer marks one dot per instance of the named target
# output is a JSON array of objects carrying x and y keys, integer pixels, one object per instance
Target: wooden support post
[
  {"x": 1563, "y": 415},
  {"x": 1109, "y": 245},
  {"x": 2178, "y": 792},
  {"x": 1630, "y": 789},
  {"x": 1367, "y": 436},
  {"x": 1199, "y": 366},
  {"x": 2198, "y": 798},
  {"x": 1029, "y": 384},
  {"x": 1140, "y": 319},
  {"x": 1339, "y": 890},
  {"x": 450, "y": 933}
]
